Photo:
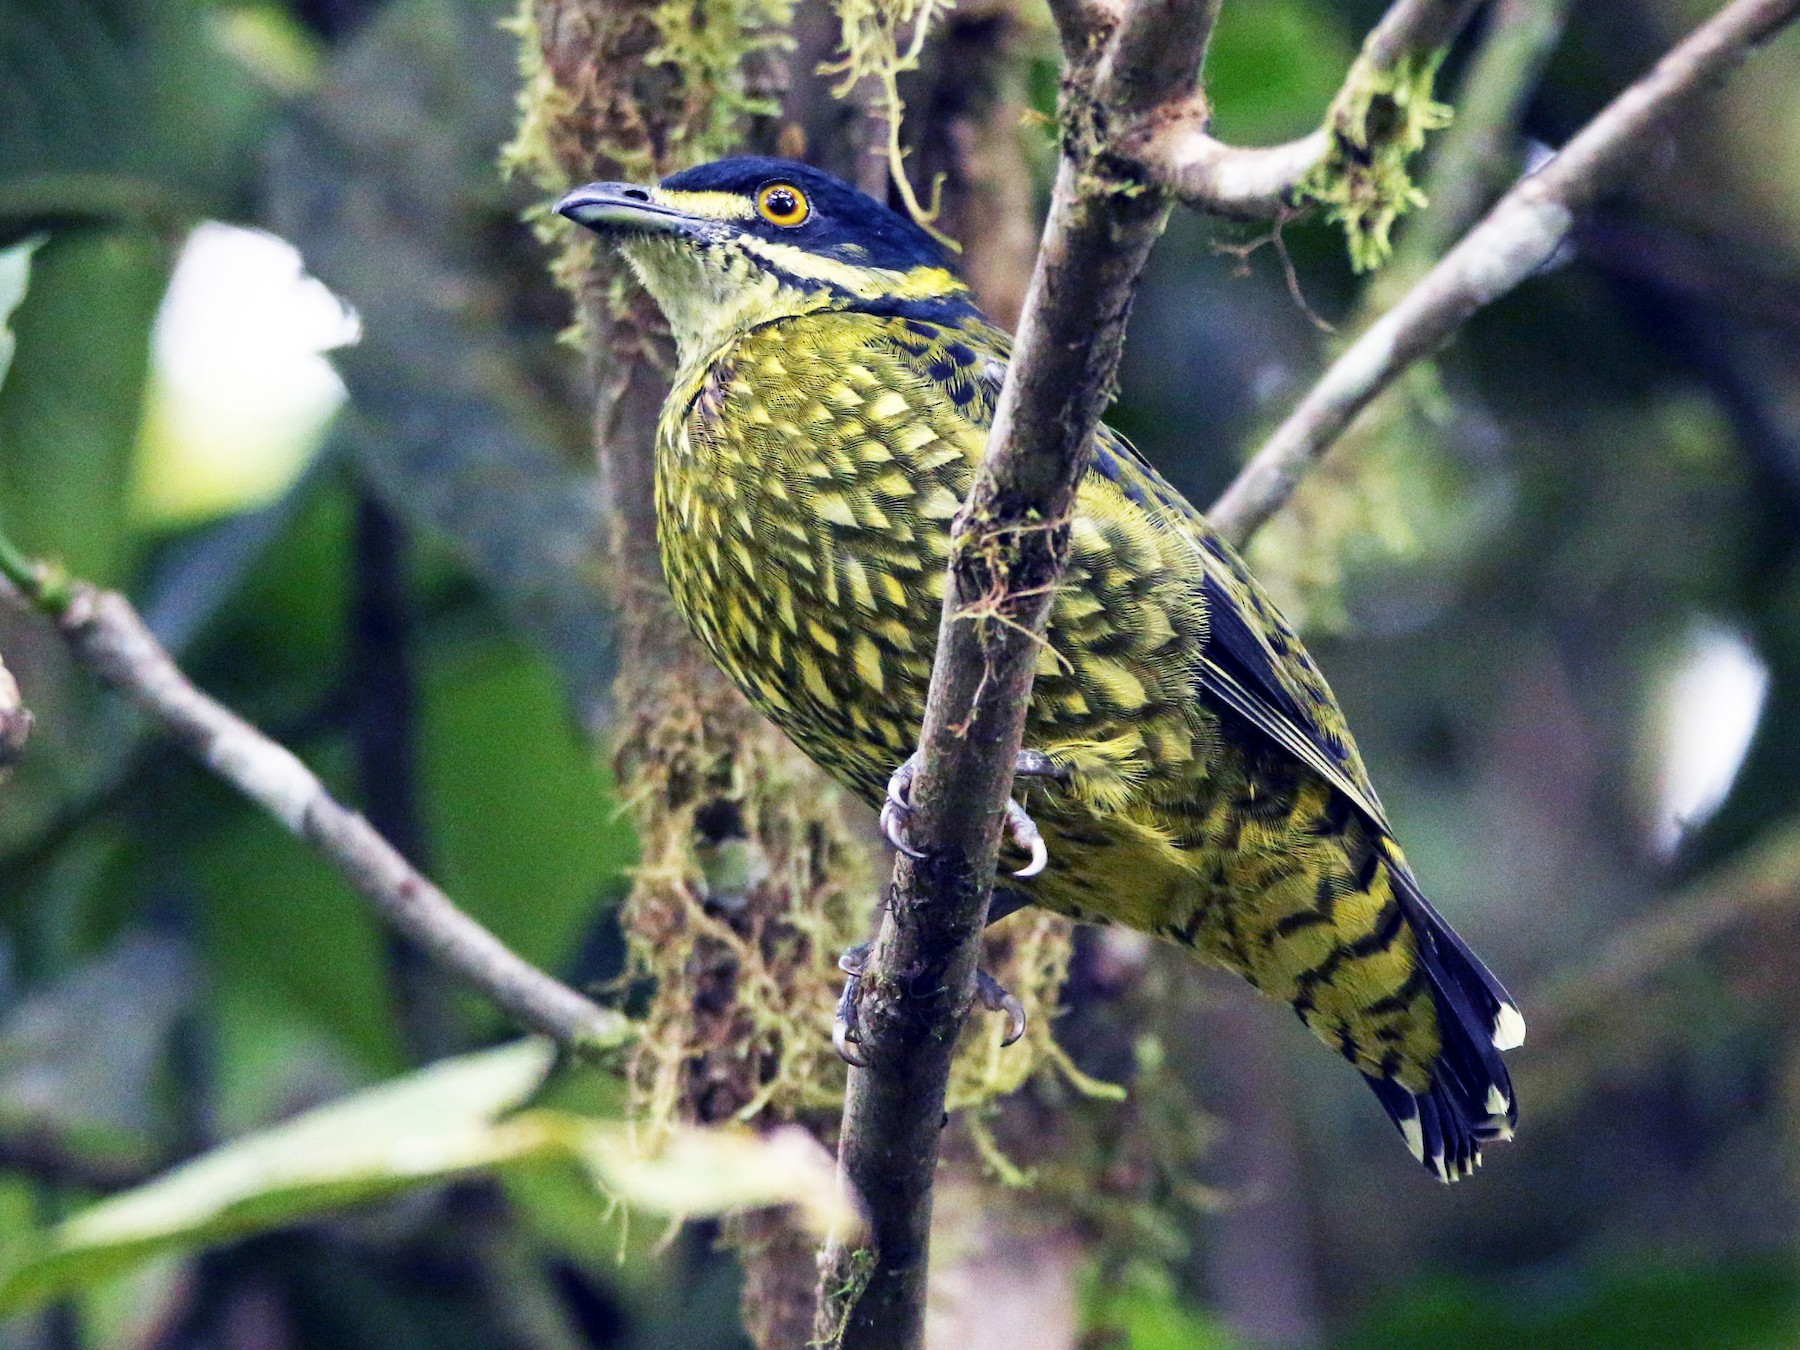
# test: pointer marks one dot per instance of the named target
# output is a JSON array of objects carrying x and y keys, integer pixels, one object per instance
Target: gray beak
[{"x": 624, "y": 208}]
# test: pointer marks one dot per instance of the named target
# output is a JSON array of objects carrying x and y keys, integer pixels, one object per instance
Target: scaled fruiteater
[{"x": 835, "y": 388}]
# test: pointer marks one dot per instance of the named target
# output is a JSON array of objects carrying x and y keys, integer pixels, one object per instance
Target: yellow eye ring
[{"x": 783, "y": 204}]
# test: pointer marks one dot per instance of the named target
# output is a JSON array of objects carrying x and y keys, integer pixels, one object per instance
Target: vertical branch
[
  {"x": 749, "y": 883},
  {"x": 1008, "y": 549}
]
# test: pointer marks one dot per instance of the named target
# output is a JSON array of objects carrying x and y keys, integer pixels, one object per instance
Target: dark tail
[{"x": 1470, "y": 1101}]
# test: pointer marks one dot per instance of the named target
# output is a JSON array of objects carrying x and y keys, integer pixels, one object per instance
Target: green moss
[
  {"x": 1378, "y": 124},
  {"x": 853, "y": 1271}
]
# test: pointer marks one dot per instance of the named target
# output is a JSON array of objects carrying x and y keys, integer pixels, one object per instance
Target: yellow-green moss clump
[{"x": 1379, "y": 122}]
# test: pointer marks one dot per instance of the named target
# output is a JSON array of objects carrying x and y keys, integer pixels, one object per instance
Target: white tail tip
[{"x": 1509, "y": 1028}]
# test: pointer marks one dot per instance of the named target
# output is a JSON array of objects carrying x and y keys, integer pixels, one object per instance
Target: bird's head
[{"x": 729, "y": 245}]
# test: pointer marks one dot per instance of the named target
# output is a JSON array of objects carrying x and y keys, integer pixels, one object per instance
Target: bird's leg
[
  {"x": 1019, "y": 824},
  {"x": 846, "y": 1035}
]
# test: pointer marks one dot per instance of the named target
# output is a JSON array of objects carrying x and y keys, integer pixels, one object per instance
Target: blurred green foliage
[
  {"x": 1273, "y": 67},
  {"x": 1749, "y": 1306}
]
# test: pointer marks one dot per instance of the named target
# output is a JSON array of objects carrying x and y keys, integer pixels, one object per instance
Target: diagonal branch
[
  {"x": 1511, "y": 242},
  {"x": 1008, "y": 548},
  {"x": 107, "y": 636}
]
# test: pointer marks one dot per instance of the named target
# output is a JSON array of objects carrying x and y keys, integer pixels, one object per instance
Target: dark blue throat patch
[{"x": 844, "y": 224}]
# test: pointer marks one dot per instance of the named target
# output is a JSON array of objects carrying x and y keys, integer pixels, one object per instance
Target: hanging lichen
[{"x": 883, "y": 40}]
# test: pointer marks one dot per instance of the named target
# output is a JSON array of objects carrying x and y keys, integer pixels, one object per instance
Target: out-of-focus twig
[
  {"x": 1476, "y": 157},
  {"x": 1008, "y": 548},
  {"x": 1765, "y": 880},
  {"x": 384, "y": 724},
  {"x": 107, "y": 636},
  {"x": 1510, "y": 243}
]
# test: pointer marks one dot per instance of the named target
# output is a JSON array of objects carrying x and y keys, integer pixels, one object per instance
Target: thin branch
[
  {"x": 107, "y": 636},
  {"x": 1239, "y": 182},
  {"x": 1008, "y": 548},
  {"x": 1512, "y": 242},
  {"x": 1262, "y": 182},
  {"x": 1477, "y": 156},
  {"x": 1412, "y": 28}
]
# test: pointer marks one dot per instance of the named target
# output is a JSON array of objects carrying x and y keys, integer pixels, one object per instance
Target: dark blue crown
[{"x": 842, "y": 218}]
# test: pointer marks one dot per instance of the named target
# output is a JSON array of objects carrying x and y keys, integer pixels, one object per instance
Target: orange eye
[{"x": 783, "y": 204}]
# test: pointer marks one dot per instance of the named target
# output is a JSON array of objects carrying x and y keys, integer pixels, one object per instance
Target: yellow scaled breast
[{"x": 807, "y": 479}]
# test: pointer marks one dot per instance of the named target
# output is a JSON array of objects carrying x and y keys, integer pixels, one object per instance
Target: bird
[{"x": 1188, "y": 771}]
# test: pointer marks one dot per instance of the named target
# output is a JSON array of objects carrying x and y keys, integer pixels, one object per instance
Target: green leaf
[
  {"x": 453, "y": 1119},
  {"x": 73, "y": 394},
  {"x": 1272, "y": 68},
  {"x": 121, "y": 110},
  {"x": 438, "y": 1123},
  {"x": 525, "y": 830}
]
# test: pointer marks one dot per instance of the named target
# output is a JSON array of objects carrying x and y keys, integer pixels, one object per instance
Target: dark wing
[{"x": 1254, "y": 664}]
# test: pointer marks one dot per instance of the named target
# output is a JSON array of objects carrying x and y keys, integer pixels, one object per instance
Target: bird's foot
[
  {"x": 846, "y": 1033},
  {"x": 1019, "y": 824}
]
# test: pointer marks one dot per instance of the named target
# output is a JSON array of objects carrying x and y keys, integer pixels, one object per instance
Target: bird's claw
[
  {"x": 897, "y": 806},
  {"x": 996, "y": 997},
  {"x": 846, "y": 1034},
  {"x": 1025, "y": 834}
]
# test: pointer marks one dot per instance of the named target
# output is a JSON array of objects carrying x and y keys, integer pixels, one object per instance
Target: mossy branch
[
  {"x": 1506, "y": 247},
  {"x": 1356, "y": 166},
  {"x": 108, "y": 638},
  {"x": 1380, "y": 121}
]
